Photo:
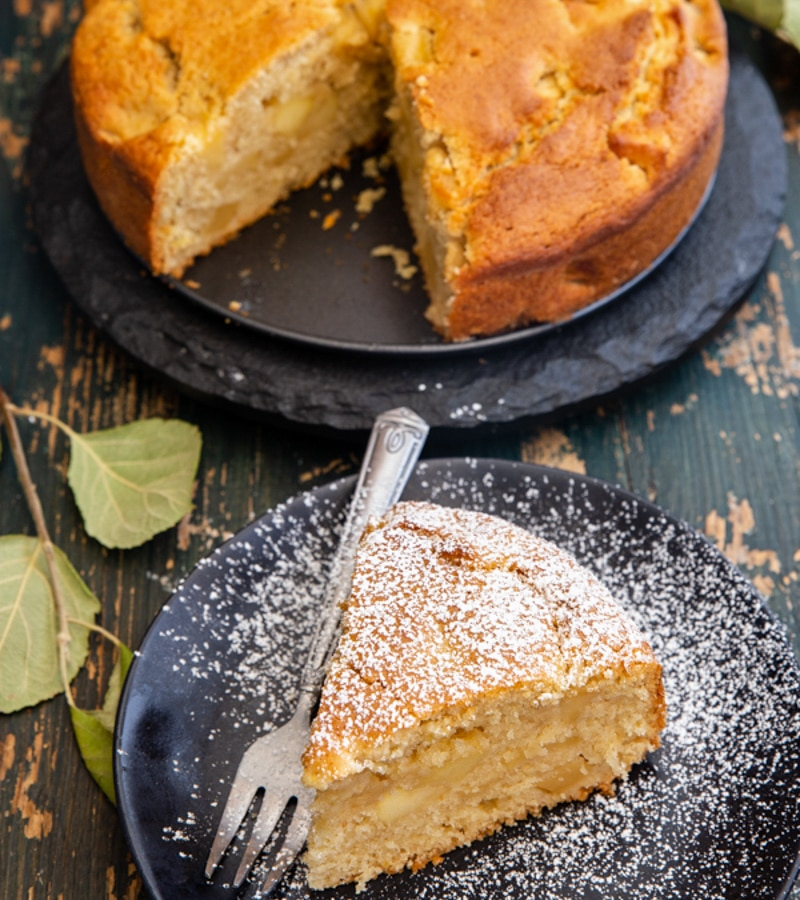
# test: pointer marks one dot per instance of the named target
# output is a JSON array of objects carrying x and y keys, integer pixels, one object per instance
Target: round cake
[{"x": 549, "y": 151}]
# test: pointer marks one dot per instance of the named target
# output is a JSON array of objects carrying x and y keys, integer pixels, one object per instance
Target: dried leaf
[
  {"x": 94, "y": 729},
  {"x": 29, "y": 671},
  {"x": 132, "y": 482}
]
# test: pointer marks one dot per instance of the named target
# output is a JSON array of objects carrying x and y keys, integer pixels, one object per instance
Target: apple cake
[
  {"x": 549, "y": 150},
  {"x": 482, "y": 676}
]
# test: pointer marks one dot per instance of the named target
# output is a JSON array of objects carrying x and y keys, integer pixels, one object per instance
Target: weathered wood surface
[{"x": 714, "y": 440}]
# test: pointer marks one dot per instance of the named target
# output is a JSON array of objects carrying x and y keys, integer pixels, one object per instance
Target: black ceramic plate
[
  {"x": 714, "y": 813},
  {"x": 310, "y": 386}
]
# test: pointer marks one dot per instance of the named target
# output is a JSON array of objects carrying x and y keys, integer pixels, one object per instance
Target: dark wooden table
[{"x": 714, "y": 439}]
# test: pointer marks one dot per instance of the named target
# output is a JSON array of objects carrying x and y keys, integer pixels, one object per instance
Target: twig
[
  {"x": 93, "y": 626},
  {"x": 34, "y": 505},
  {"x": 40, "y": 414}
]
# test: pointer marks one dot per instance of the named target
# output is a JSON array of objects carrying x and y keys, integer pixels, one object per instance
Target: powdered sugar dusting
[
  {"x": 448, "y": 604},
  {"x": 715, "y": 813}
]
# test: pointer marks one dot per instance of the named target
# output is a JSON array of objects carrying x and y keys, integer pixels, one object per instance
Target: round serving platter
[
  {"x": 342, "y": 384},
  {"x": 714, "y": 813}
]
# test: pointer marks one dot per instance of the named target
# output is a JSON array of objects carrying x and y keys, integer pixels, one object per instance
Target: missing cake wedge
[{"x": 482, "y": 676}]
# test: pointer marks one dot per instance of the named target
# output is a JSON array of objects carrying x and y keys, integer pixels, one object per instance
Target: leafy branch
[
  {"x": 63, "y": 636},
  {"x": 129, "y": 484}
]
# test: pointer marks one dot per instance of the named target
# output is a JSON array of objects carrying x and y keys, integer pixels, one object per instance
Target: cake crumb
[
  {"x": 374, "y": 165},
  {"x": 403, "y": 266},
  {"x": 368, "y": 198},
  {"x": 331, "y": 219}
]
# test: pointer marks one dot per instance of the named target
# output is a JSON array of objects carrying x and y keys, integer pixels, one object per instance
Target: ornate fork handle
[{"x": 394, "y": 447}]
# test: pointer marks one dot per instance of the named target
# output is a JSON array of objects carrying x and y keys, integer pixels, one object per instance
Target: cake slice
[
  {"x": 482, "y": 675},
  {"x": 195, "y": 118}
]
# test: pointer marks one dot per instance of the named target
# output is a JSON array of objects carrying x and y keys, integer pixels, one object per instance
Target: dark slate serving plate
[
  {"x": 342, "y": 389},
  {"x": 714, "y": 813}
]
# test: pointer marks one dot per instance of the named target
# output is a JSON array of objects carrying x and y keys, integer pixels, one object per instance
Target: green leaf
[
  {"x": 115, "y": 682},
  {"x": 96, "y": 744},
  {"x": 134, "y": 481},
  {"x": 29, "y": 671},
  {"x": 767, "y": 13},
  {"x": 780, "y": 16},
  {"x": 790, "y": 26},
  {"x": 94, "y": 729}
]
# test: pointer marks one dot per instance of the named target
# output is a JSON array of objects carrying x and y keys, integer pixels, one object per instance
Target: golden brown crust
[
  {"x": 139, "y": 63},
  {"x": 560, "y": 287},
  {"x": 111, "y": 68},
  {"x": 557, "y": 128}
]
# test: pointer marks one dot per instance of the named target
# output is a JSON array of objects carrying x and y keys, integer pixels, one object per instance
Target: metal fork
[{"x": 273, "y": 761}]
